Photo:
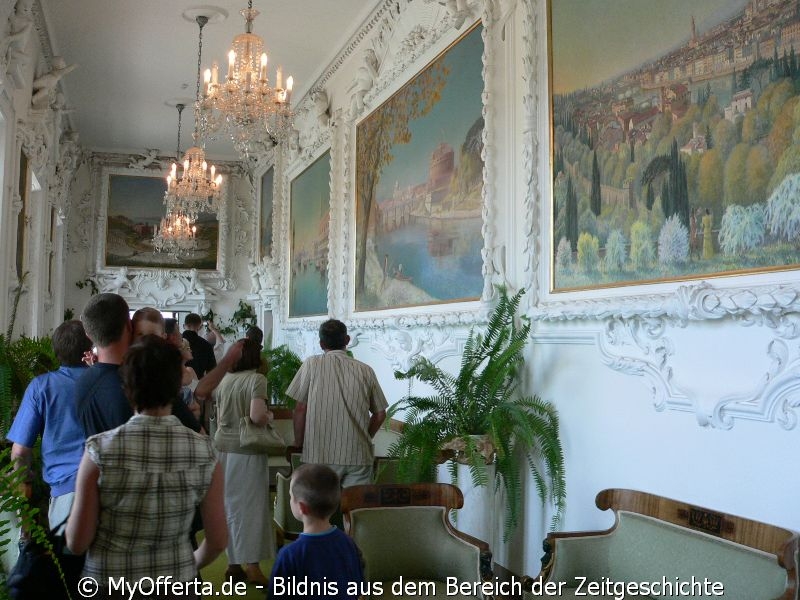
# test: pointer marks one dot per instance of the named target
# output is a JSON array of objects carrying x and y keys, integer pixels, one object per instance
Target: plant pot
[
  {"x": 457, "y": 449},
  {"x": 481, "y": 517}
]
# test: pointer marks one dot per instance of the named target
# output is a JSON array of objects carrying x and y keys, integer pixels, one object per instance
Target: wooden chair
[
  {"x": 286, "y": 526},
  {"x": 656, "y": 537},
  {"x": 405, "y": 535}
]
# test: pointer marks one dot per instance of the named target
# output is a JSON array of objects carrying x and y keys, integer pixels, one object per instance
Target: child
[{"x": 324, "y": 562}]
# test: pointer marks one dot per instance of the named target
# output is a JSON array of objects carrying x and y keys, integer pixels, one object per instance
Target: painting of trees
[
  {"x": 595, "y": 201},
  {"x": 662, "y": 155},
  {"x": 418, "y": 186},
  {"x": 377, "y": 135}
]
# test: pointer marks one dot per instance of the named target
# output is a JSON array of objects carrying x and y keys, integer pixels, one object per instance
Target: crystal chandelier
[
  {"x": 175, "y": 235},
  {"x": 197, "y": 190},
  {"x": 245, "y": 105}
]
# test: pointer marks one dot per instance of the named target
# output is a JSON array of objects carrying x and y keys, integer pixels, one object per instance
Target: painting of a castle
[{"x": 419, "y": 178}]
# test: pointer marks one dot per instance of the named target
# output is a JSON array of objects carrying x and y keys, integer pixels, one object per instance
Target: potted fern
[
  {"x": 478, "y": 418},
  {"x": 282, "y": 366}
]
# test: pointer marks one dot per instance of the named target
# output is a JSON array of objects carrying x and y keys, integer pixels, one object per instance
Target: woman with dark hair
[
  {"x": 139, "y": 484},
  {"x": 243, "y": 393}
]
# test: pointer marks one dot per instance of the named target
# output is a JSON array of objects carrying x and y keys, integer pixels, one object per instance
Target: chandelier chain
[
  {"x": 201, "y": 21},
  {"x": 180, "y": 108}
]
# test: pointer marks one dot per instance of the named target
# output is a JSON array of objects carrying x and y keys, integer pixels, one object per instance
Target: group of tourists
[{"x": 134, "y": 475}]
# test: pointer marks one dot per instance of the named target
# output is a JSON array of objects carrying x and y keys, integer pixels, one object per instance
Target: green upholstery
[
  {"x": 286, "y": 526},
  {"x": 412, "y": 542},
  {"x": 646, "y": 549}
]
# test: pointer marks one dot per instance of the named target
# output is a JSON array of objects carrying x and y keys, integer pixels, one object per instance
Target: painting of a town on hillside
[
  {"x": 676, "y": 139},
  {"x": 135, "y": 208},
  {"x": 309, "y": 225},
  {"x": 419, "y": 178}
]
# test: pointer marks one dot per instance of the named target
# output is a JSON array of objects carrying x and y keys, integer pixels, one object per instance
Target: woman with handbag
[
  {"x": 241, "y": 415},
  {"x": 138, "y": 485}
]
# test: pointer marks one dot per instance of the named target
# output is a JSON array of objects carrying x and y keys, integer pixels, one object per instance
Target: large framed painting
[
  {"x": 419, "y": 180},
  {"x": 309, "y": 222},
  {"x": 675, "y": 140},
  {"x": 265, "y": 213},
  {"x": 135, "y": 205}
]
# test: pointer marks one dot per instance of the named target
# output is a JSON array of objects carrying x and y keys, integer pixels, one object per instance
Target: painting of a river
[
  {"x": 419, "y": 181},
  {"x": 309, "y": 222},
  {"x": 676, "y": 140}
]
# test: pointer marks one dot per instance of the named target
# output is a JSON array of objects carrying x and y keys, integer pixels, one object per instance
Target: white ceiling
[{"x": 136, "y": 55}]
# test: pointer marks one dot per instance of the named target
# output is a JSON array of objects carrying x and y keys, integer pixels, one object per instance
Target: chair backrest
[
  {"x": 401, "y": 494},
  {"x": 403, "y": 530}
]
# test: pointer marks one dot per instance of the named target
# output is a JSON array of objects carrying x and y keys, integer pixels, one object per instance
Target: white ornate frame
[
  {"x": 175, "y": 288},
  {"x": 636, "y": 320},
  {"x": 258, "y": 182},
  {"x": 413, "y": 48}
]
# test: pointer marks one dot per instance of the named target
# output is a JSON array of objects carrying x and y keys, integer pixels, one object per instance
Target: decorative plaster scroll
[
  {"x": 640, "y": 347},
  {"x": 770, "y": 305},
  {"x": 69, "y": 157},
  {"x": 402, "y": 347},
  {"x": 375, "y": 76},
  {"x": 530, "y": 149},
  {"x": 160, "y": 288},
  {"x": 34, "y": 138},
  {"x": 78, "y": 214},
  {"x": 243, "y": 215},
  {"x": 316, "y": 111},
  {"x": 336, "y": 254},
  {"x": 492, "y": 251},
  {"x": 347, "y": 212},
  {"x": 382, "y": 19}
]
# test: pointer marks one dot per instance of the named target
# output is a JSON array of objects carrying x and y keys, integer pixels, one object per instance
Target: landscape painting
[
  {"x": 309, "y": 222},
  {"x": 135, "y": 208},
  {"x": 419, "y": 182},
  {"x": 676, "y": 139},
  {"x": 265, "y": 214}
]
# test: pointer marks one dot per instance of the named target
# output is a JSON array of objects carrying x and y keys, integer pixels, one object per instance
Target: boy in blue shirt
[{"x": 324, "y": 562}]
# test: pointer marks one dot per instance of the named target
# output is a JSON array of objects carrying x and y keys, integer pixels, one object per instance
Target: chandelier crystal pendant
[
  {"x": 175, "y": 235},
  {"x": 244, "y": 104},
  {"x": 197, "y": 189}
]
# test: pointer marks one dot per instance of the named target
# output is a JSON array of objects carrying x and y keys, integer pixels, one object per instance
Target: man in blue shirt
[
  {"x": 100, "y": 402},
  {"x": 48, "y": 409}
]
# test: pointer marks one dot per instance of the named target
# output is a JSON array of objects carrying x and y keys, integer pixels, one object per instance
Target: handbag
[
  {"x": 35, "y": 574},
  {"x": 265, "y": 440}
]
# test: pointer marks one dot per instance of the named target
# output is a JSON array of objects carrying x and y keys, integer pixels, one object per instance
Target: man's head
[
  {"x": 70, "y": 343},
  {"x": 314, "y": 490},
  {"x": 192, "y": 321},
  {"x": 146, "y": 321},
  {"x": 333, "y": 335},
  {"x": 172, "y": 333},
  {"x": 254, "y": 333},
  {"x": 106, "y": 319}
]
